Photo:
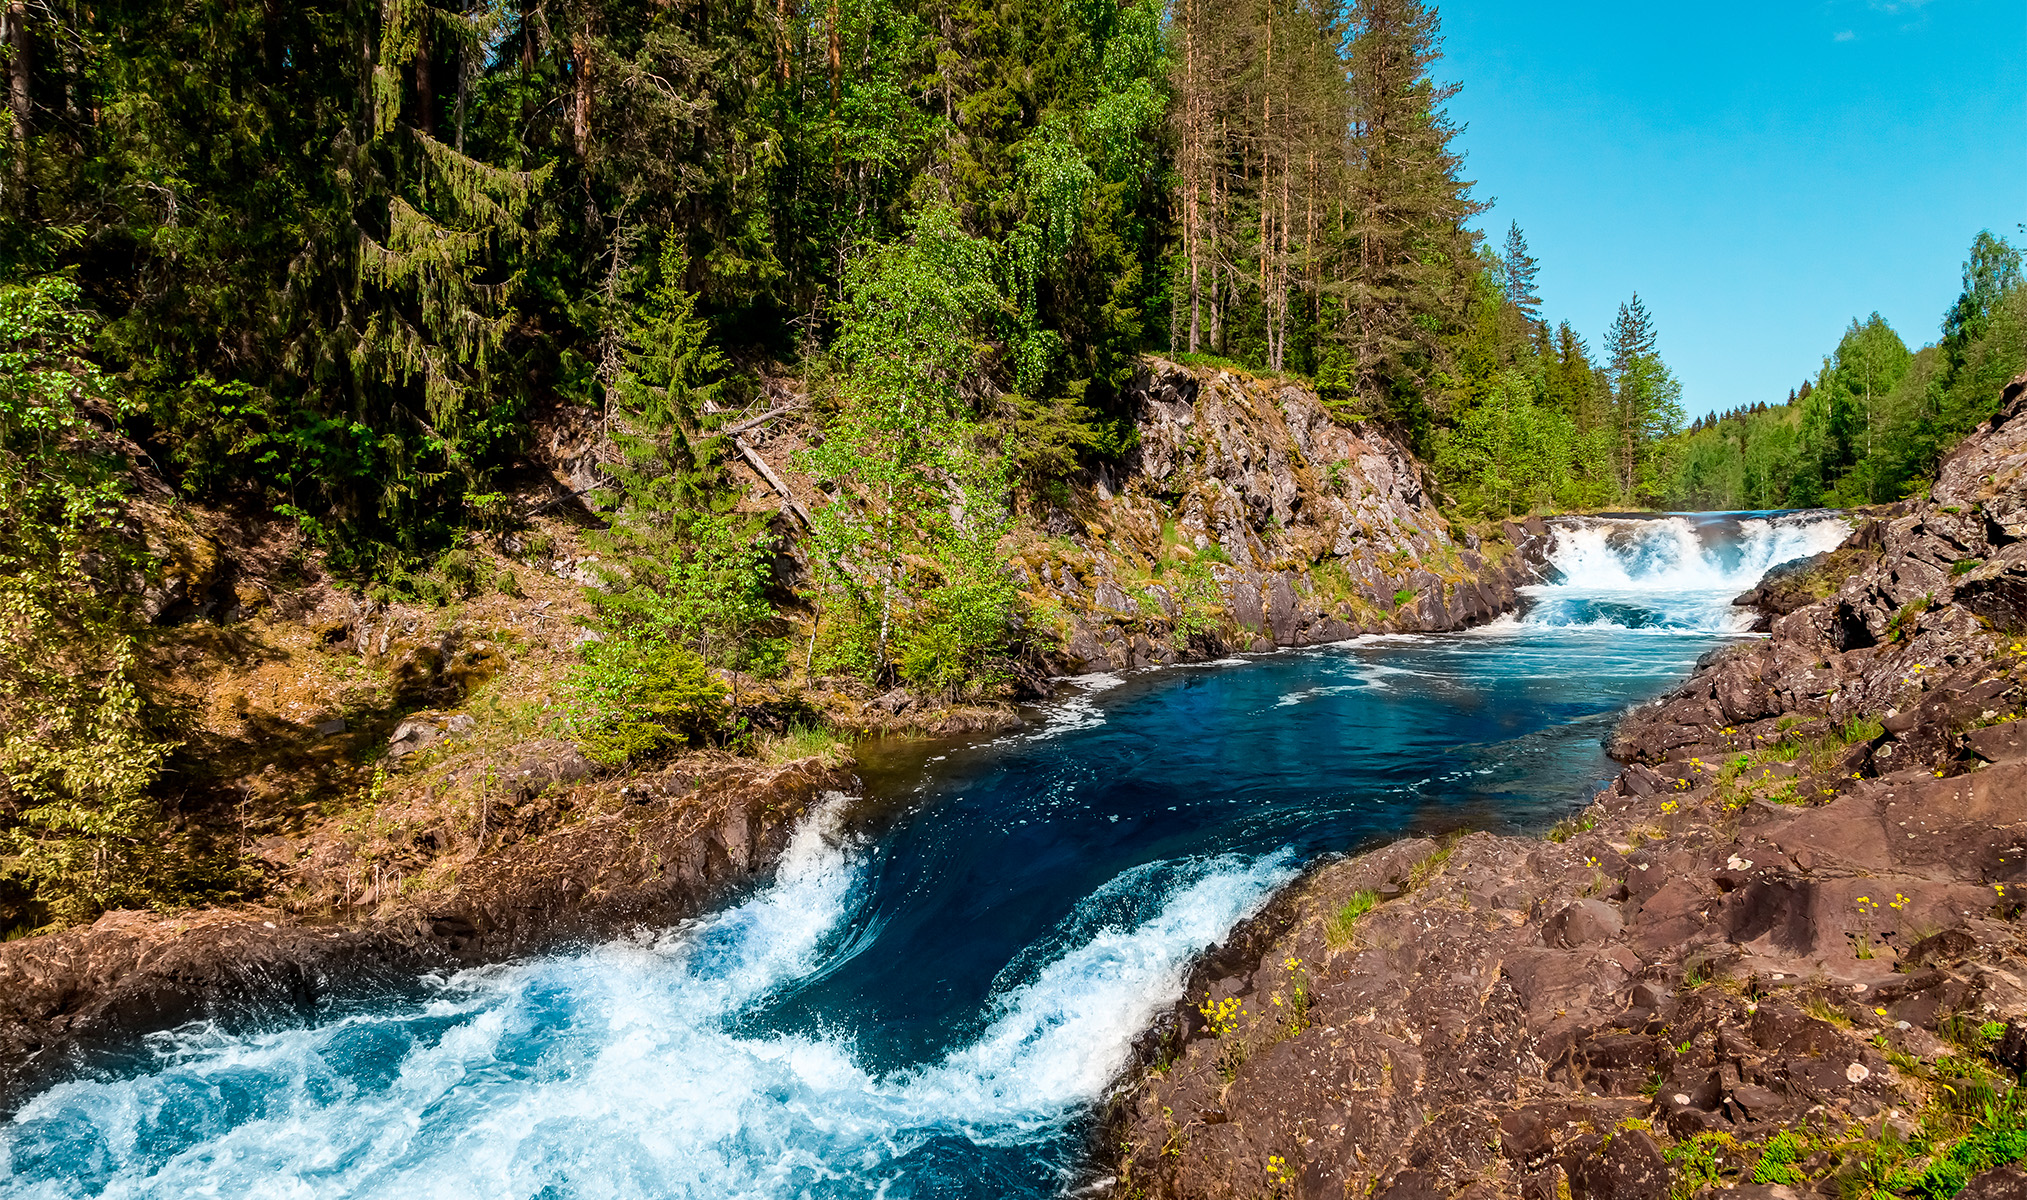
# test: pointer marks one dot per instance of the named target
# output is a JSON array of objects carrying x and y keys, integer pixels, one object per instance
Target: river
[{"x": 945, "y": 975}]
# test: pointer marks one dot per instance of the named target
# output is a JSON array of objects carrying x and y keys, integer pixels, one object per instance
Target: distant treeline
[{"x": 1872, "y": 424}]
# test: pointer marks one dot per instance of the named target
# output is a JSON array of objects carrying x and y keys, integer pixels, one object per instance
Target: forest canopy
[
  {"x": 341, "y": 252},
  {"x": 1873, "y": 423}
]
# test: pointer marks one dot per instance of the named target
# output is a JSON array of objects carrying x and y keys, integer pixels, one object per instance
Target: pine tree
[
  {"x": 686, "y": 570},
  {"x": 1518, "y": 270},
  {"x": 1410, "y": 252},
  {"x": 1647, "y": 399}
]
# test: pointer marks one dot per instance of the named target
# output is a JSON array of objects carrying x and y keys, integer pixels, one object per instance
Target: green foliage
[
  {"x": 1534, "y": 423},
  {"x": 1699, "y": 1162},
  {"x": 1779, "y": 1159},
  {"x": 1998, "y": 1137},
  {"x": 1647, "y": 402},
  {"x": 1569, "y": 827},
  {"x": 1514, "y": 451},
  {"x": 909, "y": 571},
  {"x": 1343, "y": 923},
  {"x": 638, "y": 698},
  {"x": 1196, "y": 595},
  {"x": 1876, "y": 419},
  {"x": 1047, "y": 437},
  {"x": 800, "y": 741},
  {"x": 76, "y": 747},
  {"x": 679, "y": 567},
  {"x": 684, "y": 580}
]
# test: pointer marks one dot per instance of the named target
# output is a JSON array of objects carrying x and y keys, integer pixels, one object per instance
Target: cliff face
[
  {"x": 1783, "y": 952},
  {"x": 1312, "y": 531}
]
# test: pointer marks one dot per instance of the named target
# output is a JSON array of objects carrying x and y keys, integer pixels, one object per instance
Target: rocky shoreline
[
  {"x": 82, "y": 1000},
  {"x": 1793, "y": 910},
  {"x": 1780, "y": 955},
  {"x": 1309, "y": 530}
]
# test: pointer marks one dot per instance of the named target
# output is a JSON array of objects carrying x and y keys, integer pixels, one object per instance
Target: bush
[
  {"x": 641, "y": 699},
  {"x": 76, "y": 750}
]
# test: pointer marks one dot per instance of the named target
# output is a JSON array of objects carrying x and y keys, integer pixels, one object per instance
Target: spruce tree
[
  {"x": 684, "y": 577},
  {"x": 1410, "y": 253},
  {"x": 1647, "y": 400},
  {"x": 682, "y": 568},
  {"x": 1518, "y": 269}
]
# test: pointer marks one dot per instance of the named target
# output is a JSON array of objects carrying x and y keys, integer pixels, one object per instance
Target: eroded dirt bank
[
  {"x": 677, "y": 843},
  {"x": 1781, "y": 953}
]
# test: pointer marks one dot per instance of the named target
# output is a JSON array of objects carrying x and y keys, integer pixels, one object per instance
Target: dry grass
[{"x": 246, "y": 699}]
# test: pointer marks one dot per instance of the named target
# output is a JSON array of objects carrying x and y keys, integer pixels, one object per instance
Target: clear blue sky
[{"x": 1760, "y": 172}]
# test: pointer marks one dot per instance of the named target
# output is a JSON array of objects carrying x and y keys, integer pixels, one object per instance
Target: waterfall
[{"x": 1671, "y": 573}]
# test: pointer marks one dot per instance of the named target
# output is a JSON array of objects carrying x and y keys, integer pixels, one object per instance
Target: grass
[
  {"x": 1902, "y": 622},
  {"x": 1569, "y": 827},
  {"x": 1823, "y": 1010},
  {"x": 1971, "y": 1034},
  {"x": 1700, "y": 1162},
  {"x": 1342, "y": 927},
  {"x": 1748, "y": 777},
  {"x": 800, "y": 742},
  {"x": 1426, "y": 869}
]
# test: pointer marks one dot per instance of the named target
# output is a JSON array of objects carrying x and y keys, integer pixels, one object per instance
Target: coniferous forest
[{"x": 332, "y": 255}]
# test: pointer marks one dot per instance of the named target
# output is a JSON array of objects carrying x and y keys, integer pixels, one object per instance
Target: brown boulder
[
  {"x": 1585, "y": 923},
  {"x": 1999, "y": 1183},
  {"x": 542, "y": 764},
  {"x": 1628, "y": 1166},
  {"x": 1999, "y": 743}
]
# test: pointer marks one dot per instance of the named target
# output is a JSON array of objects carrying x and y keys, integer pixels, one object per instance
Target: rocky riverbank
[
  {"x": 1306, "y": 529},
  {"x": 1781, "y": 954},
  {"x": 389, "y": 783},
  {"x": 644, "y": 852}
]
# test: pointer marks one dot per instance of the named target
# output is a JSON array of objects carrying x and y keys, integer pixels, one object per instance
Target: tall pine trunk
[{"x": 20, "y": 48}]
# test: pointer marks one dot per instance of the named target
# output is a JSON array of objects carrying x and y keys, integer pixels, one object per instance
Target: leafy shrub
[
  {"x": 76, "y": 748},
  {"x": 1197, "y": 598},
  {"x": 639, "y": 699}
]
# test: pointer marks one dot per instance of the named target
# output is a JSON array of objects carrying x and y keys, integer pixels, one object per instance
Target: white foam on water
[
  {"x": 1072, "y": 713},
  {"x": 1096, "y": 681},
  {"x": 1307, "y": 694},
  {"x": 1667, "y": 575},
  {"x": 623, "y": 1072}
]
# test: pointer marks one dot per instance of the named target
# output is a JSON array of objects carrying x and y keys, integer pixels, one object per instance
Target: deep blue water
[{"x": 948, "y": 971}]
